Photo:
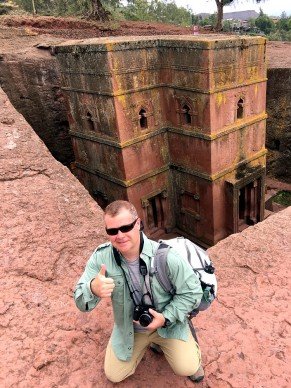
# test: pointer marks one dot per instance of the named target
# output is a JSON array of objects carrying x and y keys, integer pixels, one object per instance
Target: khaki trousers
[{"x": 184, "y": 357}]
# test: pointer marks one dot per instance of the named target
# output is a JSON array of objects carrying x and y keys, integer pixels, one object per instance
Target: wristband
[{"x": 167, "y": 323}]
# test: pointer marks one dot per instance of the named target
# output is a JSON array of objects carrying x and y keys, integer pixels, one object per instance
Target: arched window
[
  {"x": 240, "y": 109},
  {"x": 186, "y": 114},
  {"x": 143, "y": 121},
  {"x": 90, "y": 121}
]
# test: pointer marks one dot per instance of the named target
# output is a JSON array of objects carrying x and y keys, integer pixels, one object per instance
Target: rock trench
[{"x": 49, "y": 227}]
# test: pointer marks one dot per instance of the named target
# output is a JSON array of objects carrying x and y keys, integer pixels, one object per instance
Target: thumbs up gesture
[{"x": 102, "y": 286}]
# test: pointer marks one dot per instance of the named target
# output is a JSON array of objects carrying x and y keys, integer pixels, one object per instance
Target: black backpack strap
[
  {"x": 160, "y": 267},
  {"x": 207, "y": 267}
]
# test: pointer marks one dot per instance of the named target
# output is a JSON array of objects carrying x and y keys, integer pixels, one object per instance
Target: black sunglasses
[{"x": 123, "y": 229}]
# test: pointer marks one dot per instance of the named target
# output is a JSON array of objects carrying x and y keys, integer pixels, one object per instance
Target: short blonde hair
[{"x": 115, "y": 207}]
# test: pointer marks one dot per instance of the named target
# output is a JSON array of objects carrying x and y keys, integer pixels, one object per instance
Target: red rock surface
[
  {"x": 250, "y": 346},
  {"x": 50, "y": 225}
]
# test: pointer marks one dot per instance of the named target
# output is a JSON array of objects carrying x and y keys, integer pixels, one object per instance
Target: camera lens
[
  {"x": 136, "y": 313},
  {"x": 145, "y": 319}
]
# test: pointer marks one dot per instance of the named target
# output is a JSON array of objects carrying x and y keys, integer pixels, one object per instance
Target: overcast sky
[{"x": 269, "y": 7}]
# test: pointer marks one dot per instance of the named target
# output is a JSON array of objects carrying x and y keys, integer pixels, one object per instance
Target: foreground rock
[
  {"x": 50, "y": 225},
  {"x": 246, "y": 336}
]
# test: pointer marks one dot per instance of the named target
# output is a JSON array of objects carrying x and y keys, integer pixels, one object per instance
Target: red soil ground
[{"x": 16, "y": 32}]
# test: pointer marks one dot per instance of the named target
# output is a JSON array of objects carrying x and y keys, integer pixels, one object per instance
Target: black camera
[{"x": 141, "y": 313}]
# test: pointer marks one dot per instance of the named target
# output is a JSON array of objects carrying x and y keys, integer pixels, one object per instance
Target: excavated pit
[{"x": 31, "y": 77}]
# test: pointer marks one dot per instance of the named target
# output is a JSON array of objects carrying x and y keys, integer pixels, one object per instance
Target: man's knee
[
  {"x": 180, "y": 368},
  {"x": 117, "y": 373},
  {"x": 183, "y": 357},
  {"x": 116, "y": 376}
]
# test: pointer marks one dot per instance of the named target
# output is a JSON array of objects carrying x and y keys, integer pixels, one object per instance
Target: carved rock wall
[
  {"x": 48, "y": 224},
  {"x": 31, "y": 79},
  {"x": 49, "y": 227},
  {"x": 278, "y": 139}
]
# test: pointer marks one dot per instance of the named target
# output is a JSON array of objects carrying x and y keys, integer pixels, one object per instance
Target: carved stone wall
[
  {"x": 278, "y": 123},
  {"x": 31, "y": 79}
]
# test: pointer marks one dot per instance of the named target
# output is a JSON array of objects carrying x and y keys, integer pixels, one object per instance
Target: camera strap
[
  {"x": 143, "y": 271},
  {"x": 118, "y": 261}
]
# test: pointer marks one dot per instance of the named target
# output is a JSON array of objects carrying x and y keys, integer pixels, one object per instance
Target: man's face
[{"x": 127, "y": 243}]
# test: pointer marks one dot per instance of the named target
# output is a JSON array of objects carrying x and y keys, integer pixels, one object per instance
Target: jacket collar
[{"x": 148, "y": 248}]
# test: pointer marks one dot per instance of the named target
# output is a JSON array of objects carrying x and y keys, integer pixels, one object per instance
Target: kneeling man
[{"x": 144, "y": 314}]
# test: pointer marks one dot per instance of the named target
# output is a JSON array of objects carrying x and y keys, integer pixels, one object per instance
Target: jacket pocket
[{"x": 118, "y": 292}]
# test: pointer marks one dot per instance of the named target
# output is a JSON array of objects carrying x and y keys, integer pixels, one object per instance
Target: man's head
[{"x": 123, "y": 228}]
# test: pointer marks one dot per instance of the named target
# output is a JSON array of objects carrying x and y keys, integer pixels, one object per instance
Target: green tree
[
  {"x": 252, "y": 23},
  {"x": 284, "y": 22},
  {"x": 169, "y": 12},
  {"x": 195, "y": 19},
  {"x": 157, "y": 10},
  {"x": 98, "y": 12},
  {"x": 209, "y": 21},
  {"x": 137, "y": 10},
  {"x": 280, "y": 35},
  {"x": 92, "y": 8},
  {"x": 227, "y": 26},
  {"x": 264, "y": 23},
  {"x": 25, "y": 4}
]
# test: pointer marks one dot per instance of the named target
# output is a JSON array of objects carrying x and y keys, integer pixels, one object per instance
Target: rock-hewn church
[{"x": 174, "y": 124}]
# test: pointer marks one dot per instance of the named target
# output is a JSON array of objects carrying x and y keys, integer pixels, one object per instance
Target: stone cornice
[
  {"x": 190, "y": 42},
  {"x": 220, "y": 174},
  {"x": 120, "y": 182},
  {"x": 170, "y": 166},
  {"x": 116, "y": 144},
  {"x": 190, "y": 69},
  {"x": 185, "y": 132},
  {"x": 168, "y": 86},
  {"x": 223, "y": 132}
]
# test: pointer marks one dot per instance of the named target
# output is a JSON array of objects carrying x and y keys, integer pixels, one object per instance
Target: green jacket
[{"x": 174, "y": 308}]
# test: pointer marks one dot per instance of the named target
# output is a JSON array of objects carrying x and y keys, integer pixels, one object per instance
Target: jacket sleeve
[
  {"x": 187, "y": 285},
  {"x": 84, "y": 298}
]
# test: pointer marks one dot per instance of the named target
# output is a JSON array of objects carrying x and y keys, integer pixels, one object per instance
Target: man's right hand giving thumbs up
[{"x": 102, "y": 286}]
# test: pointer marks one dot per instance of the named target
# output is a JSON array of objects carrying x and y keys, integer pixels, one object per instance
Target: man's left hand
[{"x": 158, "y": 320}]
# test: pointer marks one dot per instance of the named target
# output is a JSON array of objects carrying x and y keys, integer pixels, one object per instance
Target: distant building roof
[
  {"x": 203, "y": 15},
  {"x": 241, "y": 15}
]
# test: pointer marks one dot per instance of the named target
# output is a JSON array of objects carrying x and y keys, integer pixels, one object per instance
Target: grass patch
[{"x": 283, "y": 198}]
